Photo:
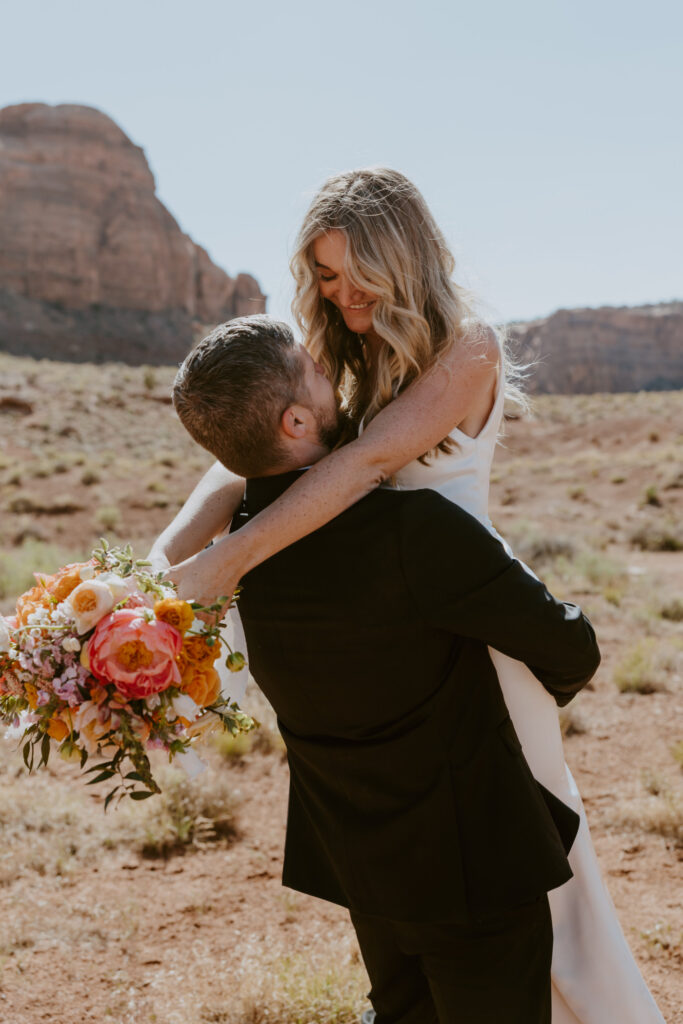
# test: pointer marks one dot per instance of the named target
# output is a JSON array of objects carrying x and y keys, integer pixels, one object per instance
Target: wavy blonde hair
[{"x": 396, "y": 251}]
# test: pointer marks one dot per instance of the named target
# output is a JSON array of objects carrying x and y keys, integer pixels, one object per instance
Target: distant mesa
[
  {"x": 93, "y": 267},
  {"x": 580, "y": 351}
]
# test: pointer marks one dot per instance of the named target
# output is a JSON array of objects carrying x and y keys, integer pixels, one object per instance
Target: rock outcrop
[
  {"x": 577, "y": 351},
  {"x": 92, "y": 265}
]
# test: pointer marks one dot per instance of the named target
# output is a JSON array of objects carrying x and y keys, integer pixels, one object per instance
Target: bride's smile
[{"x": 355, "y": 305}]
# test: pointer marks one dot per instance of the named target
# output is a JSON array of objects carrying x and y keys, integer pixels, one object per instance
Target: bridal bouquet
[{"x": 103, "y": 659}]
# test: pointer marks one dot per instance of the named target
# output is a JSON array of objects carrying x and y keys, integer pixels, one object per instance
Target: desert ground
[{"x": 172, "y": 911}]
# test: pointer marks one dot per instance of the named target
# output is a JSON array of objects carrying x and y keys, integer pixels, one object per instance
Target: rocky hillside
[
  {"x": 578, "y": 351},
  {"x": 92, "y": 264}
]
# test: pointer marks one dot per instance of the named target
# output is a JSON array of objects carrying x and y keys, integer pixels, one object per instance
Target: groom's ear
[{"x": 296, "y": 422}]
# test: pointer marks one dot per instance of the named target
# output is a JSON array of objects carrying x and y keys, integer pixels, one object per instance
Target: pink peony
[{"x": 137, "y": 656}]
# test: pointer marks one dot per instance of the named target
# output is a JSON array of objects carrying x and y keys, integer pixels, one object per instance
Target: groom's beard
[{"x": 330, "y": 428}]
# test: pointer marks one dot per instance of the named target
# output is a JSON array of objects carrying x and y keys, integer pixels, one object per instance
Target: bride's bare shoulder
[{"x": 479, "y": 356}]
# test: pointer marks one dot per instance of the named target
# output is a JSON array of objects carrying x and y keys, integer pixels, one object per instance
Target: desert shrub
[
  {"x": 660, "y": 812},
  {"x": 108, "y": 517},
  {"x": 188, "y": 812},
  {"x": 149, "y": 378},
  {"x": 577, "y": 493},
  {"x": 672, "y": 610},
  {"x": 600, "y": 570},
  {"x": 644, "y": 668},
  {"x": 263, "y": 740},
  {"x": 662, "y": 536},
  {"x": 538, "y": 549},
  {"x": 89, "y": 477},
  {"x": 651, "y": 497},
  {"x": 53, "y": 824}
]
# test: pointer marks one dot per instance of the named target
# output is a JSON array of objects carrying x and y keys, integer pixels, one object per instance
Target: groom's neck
[{"x": 306, "y": 454}]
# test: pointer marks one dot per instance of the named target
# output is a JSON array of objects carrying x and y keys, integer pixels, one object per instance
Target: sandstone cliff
[
  {"x": 92, "y": 264},
  {"x": 608, "y": 349}
]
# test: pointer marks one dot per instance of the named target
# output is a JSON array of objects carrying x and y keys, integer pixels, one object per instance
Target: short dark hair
[{"x": 232, "y": 389}]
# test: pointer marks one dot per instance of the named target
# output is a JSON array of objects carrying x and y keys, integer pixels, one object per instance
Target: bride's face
[{"x": 355, "y": 305}]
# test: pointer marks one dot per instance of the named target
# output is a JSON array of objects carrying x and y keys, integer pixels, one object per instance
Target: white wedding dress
[{"x": 595, "y": 978}]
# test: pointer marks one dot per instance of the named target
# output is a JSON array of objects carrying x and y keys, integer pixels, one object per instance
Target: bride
[{"x": 424, "y": 383}]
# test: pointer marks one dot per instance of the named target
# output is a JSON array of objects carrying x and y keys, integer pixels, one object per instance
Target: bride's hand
[{"x": 208, "y": 575}]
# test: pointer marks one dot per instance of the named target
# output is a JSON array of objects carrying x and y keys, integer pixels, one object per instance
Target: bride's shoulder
[{"x": 483, "y": 342}]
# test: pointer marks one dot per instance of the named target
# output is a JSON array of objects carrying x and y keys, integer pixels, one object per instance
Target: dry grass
[
  {"x": 54, "y": 825},
  {"x": 317, "y": 985},
  {"x": 647, "y": 667},
  {"x": 659, "y": 810}
]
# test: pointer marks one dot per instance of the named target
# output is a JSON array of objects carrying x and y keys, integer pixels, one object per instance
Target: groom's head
[{"x": 255, "y": 399}]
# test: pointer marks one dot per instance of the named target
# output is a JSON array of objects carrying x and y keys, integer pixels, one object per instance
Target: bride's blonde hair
[{"x": 396, "y": 251}]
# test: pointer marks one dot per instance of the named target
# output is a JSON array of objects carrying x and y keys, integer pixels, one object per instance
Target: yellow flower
[
  {"x": 199, "y": 651},
  {"x": 59, "y": 726},
  {"x": 175, "y": 612},
  {"x": 31, "y": 695}
]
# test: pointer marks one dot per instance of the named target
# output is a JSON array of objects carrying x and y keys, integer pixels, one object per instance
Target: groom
[{"x": 410, "y": 799}]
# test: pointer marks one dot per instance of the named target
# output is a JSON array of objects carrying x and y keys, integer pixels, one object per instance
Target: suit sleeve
[{"x": 463, "y": 581}]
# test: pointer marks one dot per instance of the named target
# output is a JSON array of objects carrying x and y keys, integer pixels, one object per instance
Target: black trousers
[{"x": 495, "y": 970}]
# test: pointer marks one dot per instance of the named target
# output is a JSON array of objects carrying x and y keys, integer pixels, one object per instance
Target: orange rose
[
  {"x": 198, "y": 651},
  {"x": 66, "y": 580},
  {"x": 203, "y": 685},
  {"x": 36, "y": 597},
  {"x": 175, "y": 612}
]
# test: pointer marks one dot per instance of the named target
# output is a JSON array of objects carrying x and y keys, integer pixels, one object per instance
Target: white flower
[
  {"x": 153, "y": 701},
  {"x": 120, "y": 588},
  {"x": 184, "y": 707},
  {"x": 71, "y": 643},
  {"x": 4, "y": 635},
  {"x": 88, "y": 603},
  {"x": 86, "y": 572}
]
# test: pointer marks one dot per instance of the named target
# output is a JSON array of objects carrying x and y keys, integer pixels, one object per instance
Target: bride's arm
[
  {"x": 457, "y": 392},
  {"x": 206, "y": 513}
]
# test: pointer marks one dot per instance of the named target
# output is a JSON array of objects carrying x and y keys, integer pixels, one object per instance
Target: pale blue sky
[{"x": 545, "y": 135}]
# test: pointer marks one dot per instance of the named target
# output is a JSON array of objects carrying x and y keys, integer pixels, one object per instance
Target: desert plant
[
  {"x": 662, "y": 536},
  {"x": 89, "y": 477},
  {"x": 643, "y": 669},
  {"x": 661, "y": 813},
  {"x": 651, "y": 497},
  {"x": 108, "y": 517},
  {"x": 189, "y": 813},
  {"x": 672, "y": 610}
]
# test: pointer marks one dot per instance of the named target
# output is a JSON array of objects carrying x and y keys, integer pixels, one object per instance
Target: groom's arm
[{"x": 463, "y": 581}]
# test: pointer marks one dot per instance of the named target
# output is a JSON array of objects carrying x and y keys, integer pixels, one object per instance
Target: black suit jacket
[{"x": 409, "y": 794}]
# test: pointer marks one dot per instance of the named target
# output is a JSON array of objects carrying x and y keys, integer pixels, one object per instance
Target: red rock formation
[
  {"x": 608, "y": 349},
  {"x": 92, "y": 264}
]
